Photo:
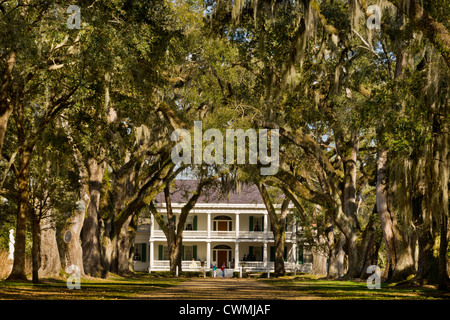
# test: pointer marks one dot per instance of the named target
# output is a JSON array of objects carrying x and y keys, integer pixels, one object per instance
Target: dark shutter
[
  {"x": 182, "y": 252},
  {"x": 144, "y": 252},
  {"x": 262, "y": 223},
  {"x": 160, "y": 252},
  {"x": 250, "y": 223},
  {"x": 272, "y": 254},
  {"x": 285, "y": 253},
  {"x": 194, "y": 252},
  {"x": 300, "y": 254},
  {"x": 194, "y": 222},
  {"x": 250, "y": 252}
]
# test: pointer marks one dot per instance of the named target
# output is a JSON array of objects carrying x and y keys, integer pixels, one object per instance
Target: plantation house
[{"x": 234, "y": 231}]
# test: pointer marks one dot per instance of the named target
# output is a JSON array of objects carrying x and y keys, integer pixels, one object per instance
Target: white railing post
[
  {"x": 208, "y": 254},
  {"x": 237, "y": 225},
  {"x": 265, "y": 254},
  {"x": 236, "y": 254},
  {"x": 266, "y": 225},
  {"x": 209, "y": 225},
  {"x": 152, "y": 225},
  {"x": 152, "y": 248}
]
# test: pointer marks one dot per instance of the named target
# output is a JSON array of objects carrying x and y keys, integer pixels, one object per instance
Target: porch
[
  {"x": 232, "y": 235},
  {"x": 247, "y": 266}
]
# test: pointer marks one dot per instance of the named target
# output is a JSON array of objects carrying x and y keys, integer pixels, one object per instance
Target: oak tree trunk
[
  {"x": 49, "y": 253},
  {"x": 5, "y": 107},
  {"x": 175, "y": 255},
  {"x": 18, "y": 270},
  {"x": 4, "y": 117},
  {"x": 73, "y": 252},
  {"x": 91, "y": 228},
  {"x": 124, "y": 244},
  {"x": 36, "y": 243},
  {"x": 279, "y": 244}
]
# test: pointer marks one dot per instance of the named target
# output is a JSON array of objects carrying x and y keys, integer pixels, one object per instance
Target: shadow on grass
[
  {"x": 91, "y": 288},
  {"x": 340, "y": 289}
]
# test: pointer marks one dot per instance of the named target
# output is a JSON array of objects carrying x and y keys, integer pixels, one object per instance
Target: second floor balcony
[
  {"x": 232, "y": 235},
  {"x": 246, "y": 223}
]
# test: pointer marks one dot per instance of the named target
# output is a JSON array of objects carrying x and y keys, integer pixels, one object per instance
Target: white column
[
  {"x": 208, "y": 255},
  {"x": 236, "y": 255},
  {"x": 152, "y": 225},
  {"x": 294, "y": 253},
  {"x": 152, "y": 244},
  {"x": 152, "y": 254},
  {"x": 237, "y": 225},
  {"x": 266, "y": 225},
  {"x": 209, "y": 225},
  {"x": 265, "y": 255}
]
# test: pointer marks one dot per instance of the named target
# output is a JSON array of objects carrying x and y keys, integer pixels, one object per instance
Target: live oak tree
[
  {"x": 173, "y": 229},
  {"x": 130, "y": 165},
  {"x": 37, "y": 67},
  {"x": 327, "y": 54},
  {"x": 362, "y": 115}
]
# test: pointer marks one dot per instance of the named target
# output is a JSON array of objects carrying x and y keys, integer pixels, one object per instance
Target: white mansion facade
[{"x": 235, "y": 231}]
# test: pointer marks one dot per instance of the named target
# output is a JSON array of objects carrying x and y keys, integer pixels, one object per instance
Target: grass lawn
[
  {"x": 333, "y": 289},
  {"x": 115, "y": 287},
  {"x": 162, "y": 286}
]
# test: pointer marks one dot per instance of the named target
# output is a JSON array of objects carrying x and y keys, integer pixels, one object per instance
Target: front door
[
  {"x": 222, "y": 225},
  {"x": 221, "y": 258}
]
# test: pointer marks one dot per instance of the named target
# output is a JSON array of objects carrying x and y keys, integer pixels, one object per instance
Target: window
[
  {"x": 163, "y": 252},
  {"x": 256, "y": 223},
  {"x": 188, "y": 253},
  {"x": 191, "y": 223},
  {"x": 140, "y": 252},
  {"x": 137, "y": 252},
  {"x": 254, "y": 254},
  {"x": 222, "y": 225}
]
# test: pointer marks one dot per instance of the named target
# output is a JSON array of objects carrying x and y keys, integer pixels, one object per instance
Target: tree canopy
[{"x": 361, "y": 111}]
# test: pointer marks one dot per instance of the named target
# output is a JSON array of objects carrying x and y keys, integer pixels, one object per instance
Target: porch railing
[
  {"x": 223, "y": 234},
  {"x": 203, "y": 234},
  {"x": 186, "y": 234},
  {"x": 186, "y": 265},
  {"x": 248, "y": 266}
]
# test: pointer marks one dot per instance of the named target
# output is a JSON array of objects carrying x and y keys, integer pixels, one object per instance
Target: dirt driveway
[{"x": 226, "y": 288}]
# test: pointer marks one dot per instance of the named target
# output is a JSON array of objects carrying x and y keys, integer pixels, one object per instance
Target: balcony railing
[
  {"x": 194, "y": 234},
  {"x": 245, "y": 235},
  {"x": 248, "y": 266},
  {"x": 186, "y": 234},
  {"x": 253, "y": 235},
  {"x": 261, "y": 266},
  {"x": 185, "y": 265},
  {"x": 223, "y": 234}
]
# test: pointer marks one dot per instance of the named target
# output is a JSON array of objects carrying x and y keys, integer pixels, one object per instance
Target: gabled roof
[{"x": 248, "y": 194}]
